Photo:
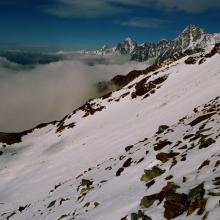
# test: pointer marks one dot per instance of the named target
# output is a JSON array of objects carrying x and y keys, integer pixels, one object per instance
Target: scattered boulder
[
  {"x": 164, "y": 157},
  {"x": 12, "y": 214},
  {"x": 62, "y": 217},
  {"x": 201, "y": 118},
  {"x": 216, "y": 49},
  {"x": 162, "y": 128},
  {"x": 141, "y": 88},
  {"x": 140, "y": 160},
  {"x": 137, "y": 216},
  {"x": 62, "y": 200},
  {"x": 217, "y": 163},
  {"x": 203, "y": 143},
  {"x": 140, "y": 215},
  {"x": 191, "y": 60},
  {"x": 128, "y": 148},
  {"x": 161, "y": 144},
  {"x": 22, "y": 208},
  {"x": 84, "y": 187},
  {"x": 90, "y": 108},
  {"x": 170, "y": 187},
  {"x": 57, "y": 186},
  {"x": 188, "y": 136},
  {"x": 85, "y": 182},
  {"x": 149, "y": 184},
  {"x": 61, "y": 127},
  {"x": 169, "y": 177},
  {"x": 196, "y": 200},
  {"x": 119, "y": 171},
  {"x": 148, "y": 201},
  {"x": 205, "y": 163},
  {"x": 176, "y": 204},
  {"x": 151, "y": 174},
  {"x": 183, "y": 147},
  {"x": 128, "y": 162},
  {"x": 51, "y": 204},
  {"x": 202, "y": 61},
  {"x": 91, "y": 204}
]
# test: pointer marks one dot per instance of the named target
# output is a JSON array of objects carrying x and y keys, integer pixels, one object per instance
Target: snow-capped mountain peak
[
  {"x": 190, "y": 38},
  {"x": 127, "y": 46},
  {"x": 191, "y": 28},
  {"x": 104, "y": 47}
]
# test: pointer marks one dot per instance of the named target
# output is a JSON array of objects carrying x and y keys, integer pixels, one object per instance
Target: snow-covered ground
[{"x": 89, "y": 165}]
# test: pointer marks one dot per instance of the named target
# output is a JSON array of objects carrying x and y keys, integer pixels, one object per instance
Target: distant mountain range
[{"x": 192, "y": 37}]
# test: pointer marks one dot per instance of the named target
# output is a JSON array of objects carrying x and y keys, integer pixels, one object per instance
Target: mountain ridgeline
[{"x": 192, "y": 37}]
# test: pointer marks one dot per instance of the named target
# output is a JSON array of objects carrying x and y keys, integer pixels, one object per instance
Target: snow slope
[{"x": 105, "y": 160}]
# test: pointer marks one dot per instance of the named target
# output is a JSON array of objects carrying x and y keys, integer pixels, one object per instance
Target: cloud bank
[
  {"x": 103, "y": 8},
  {"x": 85, "y": 8},
  {"x": 30, "y": 96},
  {"x": 143, "y": 22}
]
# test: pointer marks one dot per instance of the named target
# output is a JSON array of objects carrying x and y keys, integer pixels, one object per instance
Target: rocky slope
[{"x": 149, "y": 150}]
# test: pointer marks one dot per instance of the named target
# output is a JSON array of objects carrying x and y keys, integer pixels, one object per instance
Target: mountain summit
[
  {"x": 193, "y": 29},
  {"x": 191, "y": 37},
  {"x": 126, "y": 47}
]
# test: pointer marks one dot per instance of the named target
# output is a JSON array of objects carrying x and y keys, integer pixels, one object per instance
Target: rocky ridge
[{"x": 192, "y": 37}]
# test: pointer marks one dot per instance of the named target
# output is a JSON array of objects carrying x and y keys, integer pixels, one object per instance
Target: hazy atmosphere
[{"x": 41, "y": 93}]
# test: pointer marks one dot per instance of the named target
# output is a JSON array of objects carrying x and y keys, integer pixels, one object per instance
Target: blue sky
[{"x": 77, "y": 24}]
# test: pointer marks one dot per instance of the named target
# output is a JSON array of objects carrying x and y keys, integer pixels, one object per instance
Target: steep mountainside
[{"x": 150, "y": 150}]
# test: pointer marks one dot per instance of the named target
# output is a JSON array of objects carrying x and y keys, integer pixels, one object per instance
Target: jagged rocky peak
[
  {"x": 126, "y": 46},
  {"x": 163, "y": 41},
  {"x": 191, "y": 37},
  {"x": 193, "y": 29},
  {"x": 104, "y": 47},
  {"x": 130, "y": 40}
]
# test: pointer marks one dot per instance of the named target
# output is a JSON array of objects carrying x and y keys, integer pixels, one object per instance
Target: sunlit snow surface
[{"x": 43, "y": 174}]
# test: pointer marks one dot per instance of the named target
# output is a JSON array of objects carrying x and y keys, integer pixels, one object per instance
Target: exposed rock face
[
  {"x": 12, "y": 138},
  {"x": 192, "y": 37},
  {"x": 175, "y": 203},
  {"x": 126, "y": 47},
  {"x": 151, "y": 174},
  {"x": 162, "y": 128}
]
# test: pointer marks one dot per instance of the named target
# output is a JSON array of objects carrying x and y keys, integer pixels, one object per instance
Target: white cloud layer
[
  {"x": 48, "y": 92},
  {"x": 145, "y": 22},
  {"x": 85, "y": 8},
  {"x": 190, "y": 6},
  {"x": 99, "y": 8}
]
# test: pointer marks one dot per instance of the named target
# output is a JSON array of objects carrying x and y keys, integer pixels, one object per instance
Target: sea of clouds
[{"x": 32, "y": 94}]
